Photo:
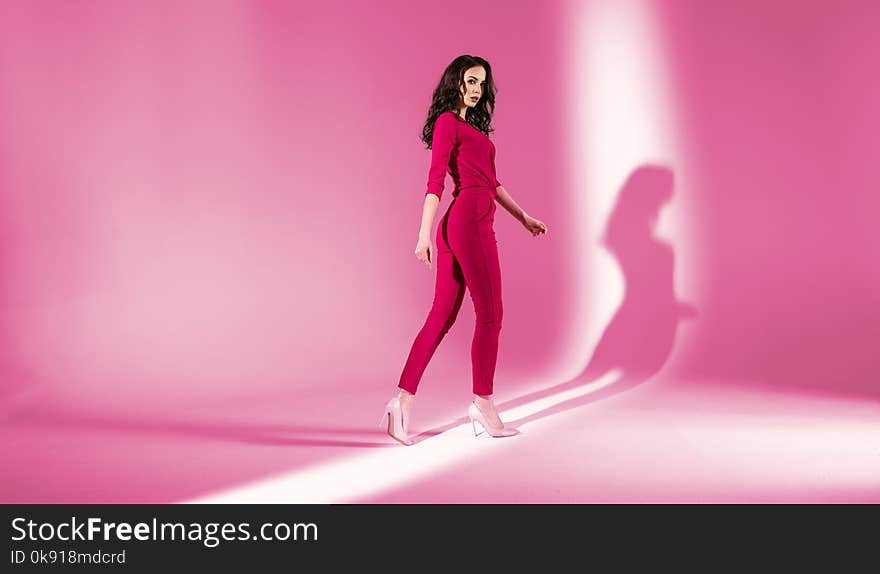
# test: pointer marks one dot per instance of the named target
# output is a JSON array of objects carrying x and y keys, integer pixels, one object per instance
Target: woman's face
[{"x": 474, "y": 82}]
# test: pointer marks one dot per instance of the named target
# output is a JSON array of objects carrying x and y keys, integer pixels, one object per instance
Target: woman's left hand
[{"x": 534, "y": 226}]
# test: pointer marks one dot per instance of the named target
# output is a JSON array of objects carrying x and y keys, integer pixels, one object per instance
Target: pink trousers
[{"x": 467, "y": 256}]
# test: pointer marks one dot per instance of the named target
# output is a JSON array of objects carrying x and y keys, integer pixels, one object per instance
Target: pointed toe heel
[
  {"x": 395, "y": 426},
  {"x": 476, "y": 416}
]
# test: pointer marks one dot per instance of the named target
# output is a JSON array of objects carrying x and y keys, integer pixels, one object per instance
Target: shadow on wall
[{"x": 639, "y": 338}]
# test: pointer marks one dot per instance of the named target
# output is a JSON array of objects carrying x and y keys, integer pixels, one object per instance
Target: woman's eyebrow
[{"x": 476, "y": 78}]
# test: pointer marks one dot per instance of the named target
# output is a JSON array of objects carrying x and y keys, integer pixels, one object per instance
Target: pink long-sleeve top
[{"x": 463, "y": 151}]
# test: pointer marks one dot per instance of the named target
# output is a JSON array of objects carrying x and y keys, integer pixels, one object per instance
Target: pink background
[
  {"x": 780, "y": 104},
  {"x": 222, "y": 198},
  {"x": 209, "y": 211}
]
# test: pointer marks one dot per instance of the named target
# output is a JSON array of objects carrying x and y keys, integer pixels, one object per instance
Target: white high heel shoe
[
  {"x": 476, "y": 416},
  {"x": 396, "y": 428}
]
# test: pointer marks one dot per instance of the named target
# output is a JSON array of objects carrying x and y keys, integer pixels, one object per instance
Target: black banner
[{"x": 154, "y": 537}]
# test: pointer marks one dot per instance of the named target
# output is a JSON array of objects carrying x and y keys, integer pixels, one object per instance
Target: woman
[{"x": 457, "y": 131}]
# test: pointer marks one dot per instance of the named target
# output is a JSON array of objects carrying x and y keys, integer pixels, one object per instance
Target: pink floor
[{"x": 662, "y": 441}]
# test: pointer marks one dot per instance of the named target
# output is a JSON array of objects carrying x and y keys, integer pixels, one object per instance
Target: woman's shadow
[{"x": 639, "y": 338}]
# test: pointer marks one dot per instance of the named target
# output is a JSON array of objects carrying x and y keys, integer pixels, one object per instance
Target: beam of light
[
  {"x": 621, "y": 117},
  {"x": 709, "y": 444},
  {"x": 354, "y": 477}
]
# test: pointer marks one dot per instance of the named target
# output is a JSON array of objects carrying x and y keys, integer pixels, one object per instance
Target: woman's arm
[
  {"x": 504, "y": 198},
  {"x": 443, "y": 140},
  {"x": 424, "y": 249},
  {"x": 428, "y": 213},
  {"x": 534, "y": 226}
]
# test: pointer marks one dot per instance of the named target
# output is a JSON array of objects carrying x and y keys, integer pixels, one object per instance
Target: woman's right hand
[{"x": 424, "y": 251}]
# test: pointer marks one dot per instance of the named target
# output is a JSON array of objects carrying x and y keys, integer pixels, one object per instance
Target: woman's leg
[
  {"x": 472, "y": 240},
  {"x": 448, "y": 295}
]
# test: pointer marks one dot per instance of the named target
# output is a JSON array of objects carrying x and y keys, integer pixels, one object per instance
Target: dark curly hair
[{"x": 447, "y": 97}]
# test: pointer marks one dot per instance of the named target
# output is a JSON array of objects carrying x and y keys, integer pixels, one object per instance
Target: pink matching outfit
[{"x": 467, "y": 251}]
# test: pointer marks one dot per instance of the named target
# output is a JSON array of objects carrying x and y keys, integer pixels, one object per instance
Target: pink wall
[
  {"x": 780, "y": 104},
  {"x": 205, "y": 199},
  {"x": 222, "y": 198}
]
